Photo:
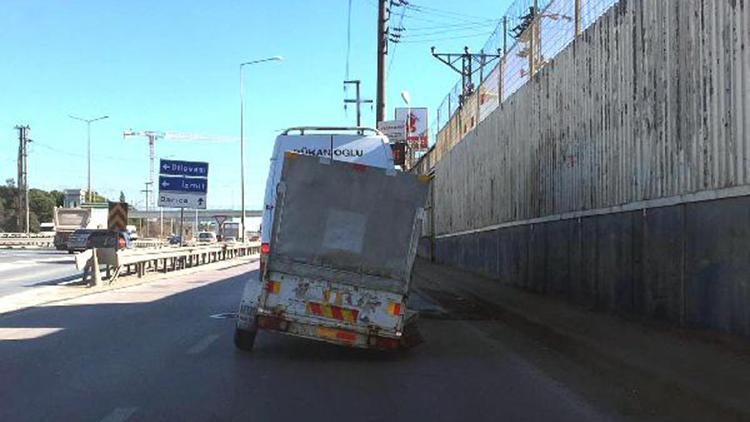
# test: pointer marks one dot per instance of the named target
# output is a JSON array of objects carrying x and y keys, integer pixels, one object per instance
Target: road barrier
[
  {"x": 148, "y": 243},
  {"x": 140, "y": 261},
  {"x": 21, "y": 240}
]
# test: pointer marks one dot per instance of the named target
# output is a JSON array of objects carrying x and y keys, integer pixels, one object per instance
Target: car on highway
[
  {"x": 175, "y": 240},
  {"x": 207, "y": 237},
  {"x": 83, "y": 239}
]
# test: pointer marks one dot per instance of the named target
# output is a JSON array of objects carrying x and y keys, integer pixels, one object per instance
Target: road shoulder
[{"x": 665, "y": 371}]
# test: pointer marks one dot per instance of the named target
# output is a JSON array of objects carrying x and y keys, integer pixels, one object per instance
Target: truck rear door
[{"x": 344, "y": 240}]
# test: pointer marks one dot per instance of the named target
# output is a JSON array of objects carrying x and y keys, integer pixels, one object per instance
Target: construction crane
[{"x": 153, "y": 135}]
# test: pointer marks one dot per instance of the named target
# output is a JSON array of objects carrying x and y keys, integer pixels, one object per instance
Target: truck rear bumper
[{"x": 327, "y": 334}]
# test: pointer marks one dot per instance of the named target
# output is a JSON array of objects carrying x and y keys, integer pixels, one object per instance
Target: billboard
[
  {"x": 395, "y": 130},
  {"x": 417, "y": 127}
]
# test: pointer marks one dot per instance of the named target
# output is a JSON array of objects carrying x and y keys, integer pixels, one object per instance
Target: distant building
[{"x": 73, "y": 198}]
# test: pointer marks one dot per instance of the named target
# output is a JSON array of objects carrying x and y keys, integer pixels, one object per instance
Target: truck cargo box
[{"x": 343, "y": 244}]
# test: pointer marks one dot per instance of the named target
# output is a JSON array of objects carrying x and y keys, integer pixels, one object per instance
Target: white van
[{"x": 349, "y": 144}]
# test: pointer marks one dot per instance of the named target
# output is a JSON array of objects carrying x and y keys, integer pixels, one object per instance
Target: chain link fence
[{"x": 531, "y": 33}]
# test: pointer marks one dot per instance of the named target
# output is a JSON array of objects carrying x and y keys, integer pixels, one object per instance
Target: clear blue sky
[{"x": 164, "y": 65}]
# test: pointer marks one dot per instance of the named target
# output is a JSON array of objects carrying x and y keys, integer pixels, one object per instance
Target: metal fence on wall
[{"x": 526, "y": 45}]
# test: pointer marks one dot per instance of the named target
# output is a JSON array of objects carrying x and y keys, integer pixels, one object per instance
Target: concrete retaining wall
[
  {"x": 652, "y": 101},
  {"x": 688, "y": 264},
  {"x": 619, "y": 176}
]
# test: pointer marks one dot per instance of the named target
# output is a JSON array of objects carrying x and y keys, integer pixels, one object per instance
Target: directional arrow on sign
[{"x": 182, "y": 184}]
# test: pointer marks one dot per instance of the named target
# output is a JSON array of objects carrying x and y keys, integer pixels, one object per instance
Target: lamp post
[
  {"x": 88, "y": 136},
  {"x": 242, "y": 134}
]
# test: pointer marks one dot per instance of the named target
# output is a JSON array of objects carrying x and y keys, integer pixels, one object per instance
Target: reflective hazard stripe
[{"x": 332, "y": 311}]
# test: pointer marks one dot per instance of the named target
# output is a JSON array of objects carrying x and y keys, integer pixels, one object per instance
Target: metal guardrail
[
  {"x": 37, "y": 241},
  {"x": 149, "y": 243},
  {"x": 140, "y": 261},
  {"x": 6, "y": 235}
]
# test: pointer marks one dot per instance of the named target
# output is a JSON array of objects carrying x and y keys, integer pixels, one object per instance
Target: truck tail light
[
  {"x": 265, "y": 248},
  {"x": 394, "y": 308},
  {"x": 273, "y": 287}
]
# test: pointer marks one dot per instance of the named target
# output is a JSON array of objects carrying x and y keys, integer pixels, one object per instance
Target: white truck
[
  {"x": 231, "y": 231},
  {"x": 68, "y": 220},
  {"x": 342, "y": 248},
  {"x": 351, "y": 145}
]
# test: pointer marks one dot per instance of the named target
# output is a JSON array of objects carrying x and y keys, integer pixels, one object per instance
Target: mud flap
[
  {"x": 411, "y": 336},
  {"x": 249, "y": 305}
]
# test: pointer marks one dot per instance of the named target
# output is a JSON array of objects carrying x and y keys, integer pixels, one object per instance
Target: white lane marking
[
  {"x": 36, "y": 274},
  {"x": 26, "y": 333},
  {"x": 120, "y": 414},
  {"x": 202, "y": 345}
]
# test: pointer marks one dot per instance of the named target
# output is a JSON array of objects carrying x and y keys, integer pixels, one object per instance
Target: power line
[
  {"x": 430, "y": 40},
  {"x": 489, "y": 22},
  {"x": 437, "y": 11},
  {"x": 395, "y": 36},
  {"x": 450, "y": 31}
]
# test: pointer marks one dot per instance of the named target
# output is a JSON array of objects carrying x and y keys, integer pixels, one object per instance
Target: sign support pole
[{"x": 182, "y": 232}]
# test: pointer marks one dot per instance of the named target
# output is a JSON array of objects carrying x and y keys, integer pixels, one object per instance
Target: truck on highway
[
  {"x": 348, "y": 144},
  {"x": 47, "y": 229},
  {"x": 231, "y": 231},
  {"x": 68, "y": 220},
  {"x": 342, "y": 247}
]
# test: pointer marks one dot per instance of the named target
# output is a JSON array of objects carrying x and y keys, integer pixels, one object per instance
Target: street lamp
[
  {"x": 88, "y": 132},
  {"x": 242, "y": 134}
]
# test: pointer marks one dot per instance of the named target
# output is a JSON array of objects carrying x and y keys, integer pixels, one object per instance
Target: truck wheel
[{"x": 244, "y": 339}]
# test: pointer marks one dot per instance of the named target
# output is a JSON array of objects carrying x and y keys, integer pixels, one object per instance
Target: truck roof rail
[{"x": 358, "y": 129}]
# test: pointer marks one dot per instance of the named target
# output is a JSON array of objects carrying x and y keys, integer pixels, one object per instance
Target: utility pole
[
  {"x": 357, "y": 100},
  {"x": 382, "y": 52},
  {"x": 23, "y": 183},
  {"x": 466, "y": 70}
]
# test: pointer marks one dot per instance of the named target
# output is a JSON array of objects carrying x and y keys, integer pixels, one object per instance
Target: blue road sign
[
  {"x": 183, "y": 168},
  {"x": 182, "y": 184}
]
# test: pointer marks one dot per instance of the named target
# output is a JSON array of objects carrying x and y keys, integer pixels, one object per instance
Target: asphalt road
[
  {"x": 153, "y": 352},
  {"x": 22, "y": 269}
]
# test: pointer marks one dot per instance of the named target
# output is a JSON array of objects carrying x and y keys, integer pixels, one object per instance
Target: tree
[
  {"x": 8, "y": 206},
  {"x": 41, "y": 204},
  {"x": 59, "y": 197}
]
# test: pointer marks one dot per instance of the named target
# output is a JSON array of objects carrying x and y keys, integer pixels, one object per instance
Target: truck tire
[{"x": 244, "y": 339}]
